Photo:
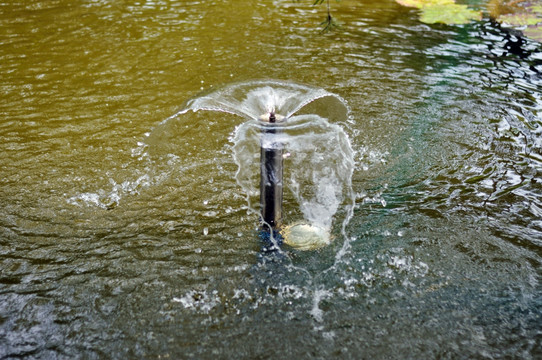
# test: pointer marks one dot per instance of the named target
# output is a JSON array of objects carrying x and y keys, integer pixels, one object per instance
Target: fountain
[
  {"x": 124, "y": 238},
  {"x": 314, "y": 154}
]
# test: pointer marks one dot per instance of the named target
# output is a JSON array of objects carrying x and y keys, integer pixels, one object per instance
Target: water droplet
[{"x": 205, "y": 231}]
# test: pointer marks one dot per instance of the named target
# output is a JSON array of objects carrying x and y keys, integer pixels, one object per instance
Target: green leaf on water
[
  {"x": 443, "y": 11},
  {"x": 449, "y": 14},
  {"x": 534, "y": 33},
  {"x": 525, "y": 16},
  {"x": 535, "y": 8},
  {"x": 520, "y": 19},
  {"x": 421, "y": 3}
]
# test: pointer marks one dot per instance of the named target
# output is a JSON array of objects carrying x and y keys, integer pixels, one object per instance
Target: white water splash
[
  {"x": 252, "y": 99},
  {"x": 317, "y": 170},
  {"x": 107, "y": 199}
]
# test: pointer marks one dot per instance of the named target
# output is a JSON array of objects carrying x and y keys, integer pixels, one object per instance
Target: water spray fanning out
[{"x": 299, "y": 195}]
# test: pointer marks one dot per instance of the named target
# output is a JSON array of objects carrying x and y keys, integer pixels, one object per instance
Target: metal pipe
[{"x": 271, "y": 176}]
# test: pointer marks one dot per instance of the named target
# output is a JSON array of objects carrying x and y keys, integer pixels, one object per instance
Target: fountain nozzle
[{"x": 271, "y": 117}]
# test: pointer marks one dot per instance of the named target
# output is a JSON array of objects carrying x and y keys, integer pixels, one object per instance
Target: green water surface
[{"x": 122, "y": 239}]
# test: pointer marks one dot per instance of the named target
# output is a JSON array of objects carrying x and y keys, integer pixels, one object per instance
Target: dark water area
[{"x": 124, "y": 236}]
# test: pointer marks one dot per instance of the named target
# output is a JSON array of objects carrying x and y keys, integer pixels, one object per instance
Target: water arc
[
  {"x": 252, "y": 99},
  {"x": 317, "y": 155}
]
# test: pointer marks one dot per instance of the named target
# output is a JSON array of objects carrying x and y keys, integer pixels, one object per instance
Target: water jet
[{"x": 317, "y": 171}]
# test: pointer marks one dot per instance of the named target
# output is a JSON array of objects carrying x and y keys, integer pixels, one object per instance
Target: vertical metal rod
[{"x": 271, "y": 177}]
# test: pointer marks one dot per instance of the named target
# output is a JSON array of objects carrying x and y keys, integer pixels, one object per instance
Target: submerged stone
[{"x": 306, "y": 236}]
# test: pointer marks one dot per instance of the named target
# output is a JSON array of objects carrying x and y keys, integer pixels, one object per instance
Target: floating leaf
[
  {"x": 535, "y": 8},
  {"x": 442, "y": 11},
  {"x": 449, "y": 14},
  {"x": 520, "y": 19},
  {"x": 421, "y": 3},
  {"x": 525, "y": 16},
  {"x": 534, "y": 32}
]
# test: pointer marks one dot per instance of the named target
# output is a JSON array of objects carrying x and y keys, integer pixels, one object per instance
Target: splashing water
[
  {"x": 318, "y": 167},
  {"x": 318, "y": 158},
  {"x": 255, "y": 98},
  {"x": 152, "y": 253}
]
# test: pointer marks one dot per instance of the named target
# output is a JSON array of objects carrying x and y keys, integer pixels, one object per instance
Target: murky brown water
[{"x": 121, "y": 238}]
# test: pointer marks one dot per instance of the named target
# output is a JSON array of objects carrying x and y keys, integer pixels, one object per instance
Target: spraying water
[
  {"x": 318, "y": 166},
  {"x": 318, "y": 159},
  {"x": 152, "y": 253},
  {"x": 318, "y": 162},
  {"x": 256, "y": 99},
  {"x": 317, "y": 156}
]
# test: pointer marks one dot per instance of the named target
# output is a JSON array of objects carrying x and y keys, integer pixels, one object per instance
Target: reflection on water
[{"x": 117, "y": 240}]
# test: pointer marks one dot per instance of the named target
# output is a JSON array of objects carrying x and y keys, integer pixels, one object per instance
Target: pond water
[{"x": 123, "y": 237}]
